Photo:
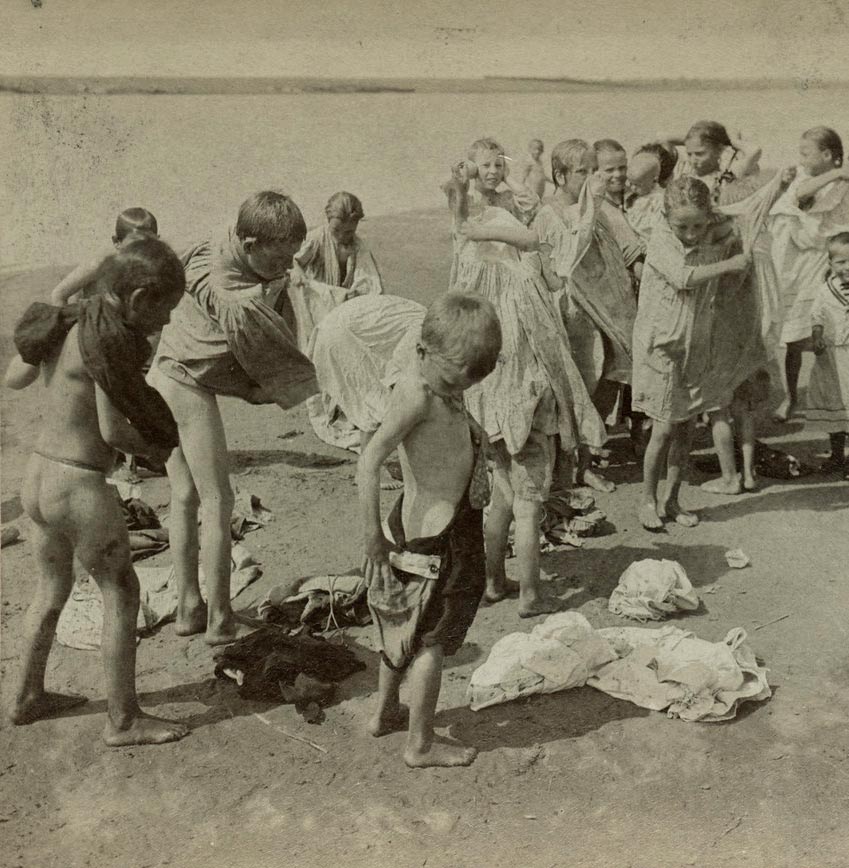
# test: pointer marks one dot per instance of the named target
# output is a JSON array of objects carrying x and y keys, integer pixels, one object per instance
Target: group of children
[{"x": 646, "y": 290}]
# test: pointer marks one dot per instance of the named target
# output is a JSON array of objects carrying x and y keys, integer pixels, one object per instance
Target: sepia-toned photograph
[{"x": 424, "y": 434}]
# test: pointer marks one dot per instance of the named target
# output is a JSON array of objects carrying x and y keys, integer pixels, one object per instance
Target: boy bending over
[
  {"x": 427, "y": 579},
  {"x": 91, "y": 355}
]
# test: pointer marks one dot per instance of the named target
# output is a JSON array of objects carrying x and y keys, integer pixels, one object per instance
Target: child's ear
[
  {"x": 136, "y": 300},
  {"x": 248, "y": 245}
]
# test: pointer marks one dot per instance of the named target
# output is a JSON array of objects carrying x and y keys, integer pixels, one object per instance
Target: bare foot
[
  {"x": 597, "y": 482},
  {"x": 191, "y": 620},
  {"x": 723, "y": 486},
  {"x": 498, "y": 591},
  {"x": 389, "y": 721},
  {"x": 784, "y": 412},
  {"x": 42, "y": 705},
  {"x": 750, "y": 483},
  {"x": 442, "y": 754},
  {"x": 672, "y": 510},
  {"x": 229, "y": 631},
  {"x": 649, "y": 517},
  {"x": 144, "y": 729},
  {"x": 542, "y": 605}
]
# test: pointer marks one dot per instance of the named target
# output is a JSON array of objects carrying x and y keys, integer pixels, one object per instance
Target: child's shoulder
[{"x": 412, "y": 394}]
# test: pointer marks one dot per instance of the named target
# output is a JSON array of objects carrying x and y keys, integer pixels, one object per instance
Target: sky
[{"x": 428, "y": 38}]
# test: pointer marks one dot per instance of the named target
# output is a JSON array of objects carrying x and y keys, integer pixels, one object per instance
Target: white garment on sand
[{"x": 649, "y": 590}]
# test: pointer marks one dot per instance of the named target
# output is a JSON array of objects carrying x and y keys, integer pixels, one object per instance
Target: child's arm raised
[
  {"x": 408, "y": 406},
  {"x": 745, "y": 161},
  {"x": 517, "y": 236},
  {"x": 810, "y": 186},
  {"x": 73, "y": 283},
  {"x": 19, "y": 374},
  {"x": 118, "y": 433}
]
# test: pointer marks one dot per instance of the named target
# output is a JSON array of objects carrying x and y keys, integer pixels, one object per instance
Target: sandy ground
[{"x": 571, "y": 779}]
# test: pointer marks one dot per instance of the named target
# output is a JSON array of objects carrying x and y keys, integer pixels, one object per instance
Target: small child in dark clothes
[{"x": 423, "y": 610}]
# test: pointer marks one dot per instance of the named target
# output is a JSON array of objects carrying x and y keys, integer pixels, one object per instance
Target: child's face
[
  {"x": 535, "y": 150},
  {"x": 613, "y": 168},
  {"x": 490, "y": 169},
  {"x": 814, "y": 160},
  {"x": 689, "y": 224},
  {"x": 270, "y": 259},
  {"x": 703, "y": 156},
  {"x": 344, "y": 231},
  {"x": 579, "y": 173},
  {"x": 838, "y": 260},
  {"x": 444, "y": 377}
]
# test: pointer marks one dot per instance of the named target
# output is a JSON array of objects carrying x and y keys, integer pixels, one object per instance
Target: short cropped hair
[
  {"x": 565, "y": 156},
  {"x": 464, "y": 329},
  {"x": 826, "y": 139},
  {"x": 709, "y": 133},
  {"x": 343, "y": 206},
  {"x": 146, "y": 263},
  {"x": 536, "y": 142},
  {"x": 484, "y": 144},
  {"x": 270, "y": 216},
  {"x": 610, "y": 145},
  {"x": 667, "y": 159},
  {"x": 687, "y": 192},
  {"x": 135, "y": 221},
  {"x": 839, "y": 239}
]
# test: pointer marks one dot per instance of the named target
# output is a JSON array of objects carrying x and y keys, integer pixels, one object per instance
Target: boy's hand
[
  {"x": 742, "y": 261},
  {"x": 818, "y": 342},
  {"x": 376, "y": 567}
]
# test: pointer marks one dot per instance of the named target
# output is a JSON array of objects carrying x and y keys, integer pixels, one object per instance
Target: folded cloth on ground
[
  {"x": 673, "y": 669},
  {"x": 144, "y": 543},
  {"x": 558, "y": 654},
  {"x": 325, "y": 602},
  {"x": 268, "y": 661},
  {"x": 650, "y": 589},
  {"x": 248, "y": 514},
  {"x": 139, "y": 515},
  {"x": 81, "y": 622}
]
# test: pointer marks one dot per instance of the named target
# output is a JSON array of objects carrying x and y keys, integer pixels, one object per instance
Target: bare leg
[
  {"x": 745, "y": 423},
  {"x": 422, "y": 751},
  {"x": 792, "y": 366},
  {"x": 587, "y": 476},
  {"x": 653, "y": 463},
  {"x": 184, "y": 542},
  {"x": 723, "y": 441},
  {"x": 55, "y": 560},
  {"x": 390, "y": 715},
  {"x": 103, "y": 548},
  {"x": 532, "y": 600},
  {"x": 676, "y": 472},
  {"x": 496, "y": 532}
]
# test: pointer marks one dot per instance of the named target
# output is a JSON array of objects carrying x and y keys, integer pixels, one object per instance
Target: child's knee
[
  {"x": 527, "y": 511},
  {"x": 184, "y": 495}
]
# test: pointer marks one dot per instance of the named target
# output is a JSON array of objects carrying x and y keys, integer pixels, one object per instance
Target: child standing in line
[
  {"x": 828, "y": 393},
  {"x": 814, "y": 206},
  {"x": 530, "y": 171},
  {"x": 644, "y": 199},
  {"x": 535, "y": 393},
  {"x": 226, "y": 337},
  {"x": 426, "y": 580},
  {"x": 672, "y": 340},
  {"x": 132, "y": 224},
  {"x": 91, "y": 356}
]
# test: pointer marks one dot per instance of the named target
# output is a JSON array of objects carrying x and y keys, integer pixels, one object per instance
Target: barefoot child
[
  {"x": 225, "y": 338},
  {"x": 535, "y": 394},
  {"x": 672, "y": 340},
  {"x": 598, "y": 304},
  {"x": 828, "y": 393},
  {"x": 132, "y": 224},
  {"x": 427, "y": 578},
  {"x": 91, "y": 356},
  {"x": 813, "y": 207}
]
